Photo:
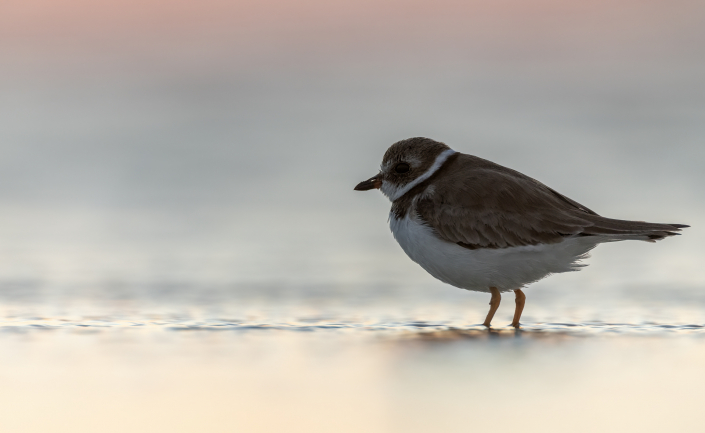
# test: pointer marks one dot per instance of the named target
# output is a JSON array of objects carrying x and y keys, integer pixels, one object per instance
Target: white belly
[{"x": 504, "y": 268}]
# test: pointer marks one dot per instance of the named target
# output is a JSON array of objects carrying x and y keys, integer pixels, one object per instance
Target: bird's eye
[{"x": 402, "y": 167}]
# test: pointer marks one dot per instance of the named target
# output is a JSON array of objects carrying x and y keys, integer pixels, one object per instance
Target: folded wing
[{"x": 485, "y": 205}]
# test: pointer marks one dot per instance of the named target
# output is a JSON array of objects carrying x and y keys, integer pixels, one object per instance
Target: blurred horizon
[{"x": 143, "y": 132}]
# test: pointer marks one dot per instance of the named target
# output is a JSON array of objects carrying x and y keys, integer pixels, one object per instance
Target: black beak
[{"x": 374, "y": 182}]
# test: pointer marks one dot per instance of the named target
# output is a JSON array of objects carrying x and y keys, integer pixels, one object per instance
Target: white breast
[{"x": 504, "y": 268}]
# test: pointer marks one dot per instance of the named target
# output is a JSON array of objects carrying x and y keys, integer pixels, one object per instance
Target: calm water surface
[{"x": 380, "y": 359}]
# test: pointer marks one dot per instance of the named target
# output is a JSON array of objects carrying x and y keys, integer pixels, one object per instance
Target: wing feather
[{"x": 480, "y": 204}]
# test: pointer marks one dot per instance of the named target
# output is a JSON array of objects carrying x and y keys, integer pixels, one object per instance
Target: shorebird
[{"x": 480, "y": 226}]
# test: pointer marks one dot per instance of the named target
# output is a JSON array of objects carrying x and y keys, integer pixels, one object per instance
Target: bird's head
[{"x": 406, "y": 164}]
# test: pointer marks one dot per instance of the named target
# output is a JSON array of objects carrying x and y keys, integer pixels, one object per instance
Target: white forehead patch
[{"x": 393, "y": 192}]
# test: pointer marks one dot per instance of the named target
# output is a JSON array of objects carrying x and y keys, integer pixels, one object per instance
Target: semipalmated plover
[{"x": 480, "y": 226}]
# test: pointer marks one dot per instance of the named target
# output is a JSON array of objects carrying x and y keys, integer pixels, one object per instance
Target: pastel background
[{"x": 181, "y": 249}]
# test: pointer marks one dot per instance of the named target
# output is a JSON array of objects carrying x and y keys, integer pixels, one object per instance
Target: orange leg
[
  {"x": 520, "y": 300},
  {"x": 494, "y": 304}
]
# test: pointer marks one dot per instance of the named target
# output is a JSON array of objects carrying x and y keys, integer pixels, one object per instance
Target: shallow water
[
  {"x": 309, "y": 373},
  {"x": 395, "y": 312},
  {"x": 394, "y": 359}
]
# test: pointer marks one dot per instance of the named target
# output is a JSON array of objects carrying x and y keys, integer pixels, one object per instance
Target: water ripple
[{"x": 414, "y": 328}]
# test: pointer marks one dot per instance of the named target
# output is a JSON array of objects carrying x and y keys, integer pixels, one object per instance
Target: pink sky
[
  {"x": 395, "y": 21},
  {"x": 252, "y": 35}
]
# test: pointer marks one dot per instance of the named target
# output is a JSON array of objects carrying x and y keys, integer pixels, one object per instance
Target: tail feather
[{"x": 631, "y": 229}]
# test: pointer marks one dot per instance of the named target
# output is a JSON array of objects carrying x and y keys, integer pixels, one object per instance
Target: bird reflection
[{"x": 459, "y": 334}]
